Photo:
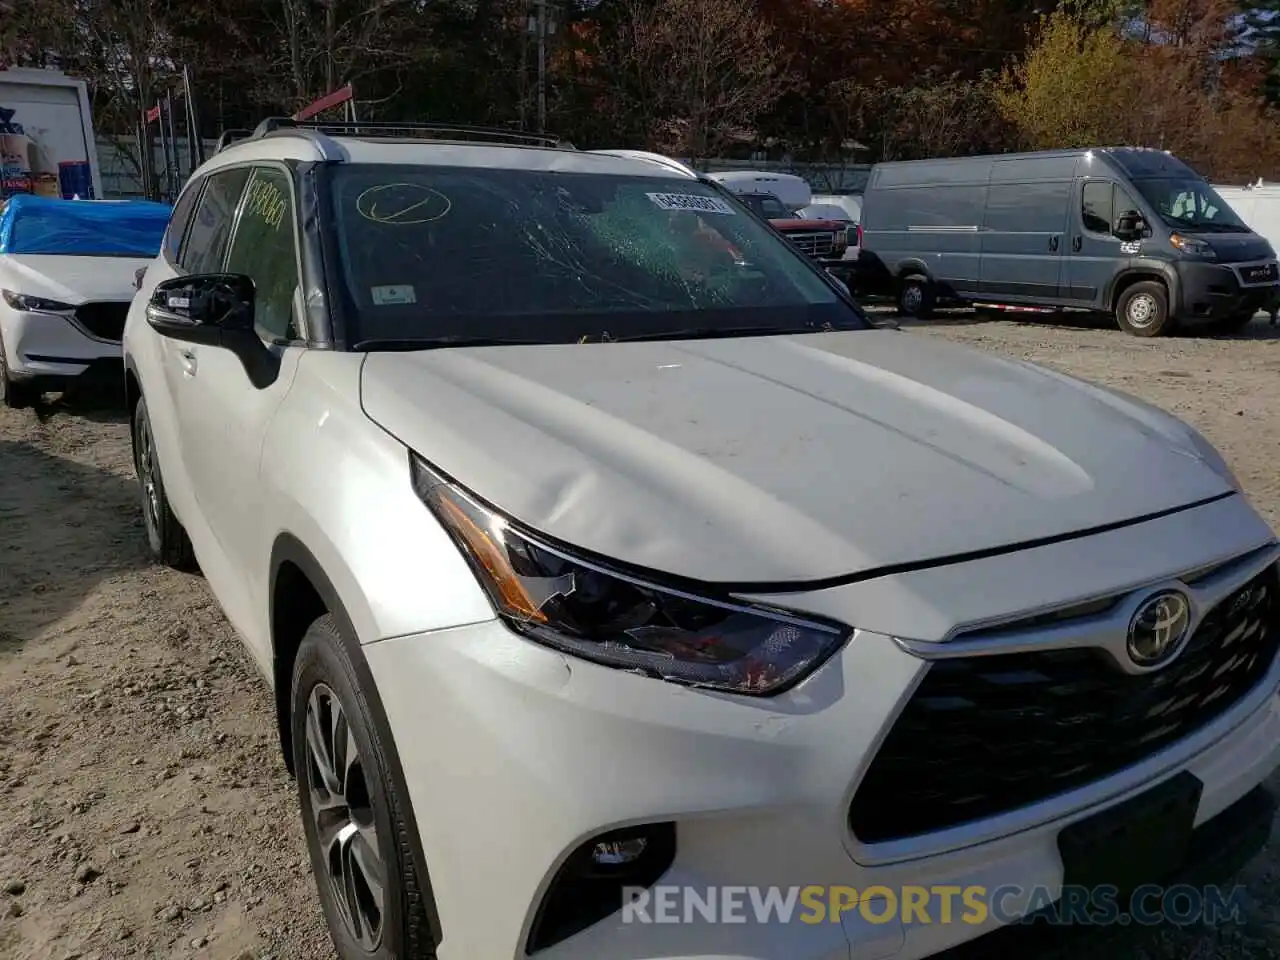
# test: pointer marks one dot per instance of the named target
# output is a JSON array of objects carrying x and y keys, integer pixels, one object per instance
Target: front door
[
  {"x": 1096, "y": 255},
  {"x": 224, "y": 415}
]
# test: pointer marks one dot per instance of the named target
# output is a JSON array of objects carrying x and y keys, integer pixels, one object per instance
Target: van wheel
[
  {"x": 1143, "y": 310},
  {"x": 916, "y": 298}
]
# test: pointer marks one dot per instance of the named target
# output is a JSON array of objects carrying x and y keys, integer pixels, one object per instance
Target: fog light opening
[{"x": 588, "y": 886}]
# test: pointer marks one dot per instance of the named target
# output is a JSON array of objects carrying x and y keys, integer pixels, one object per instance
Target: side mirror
[
  {"x": 215, "y": 309},
  {"x": 138, "y": 276},
  {"x": 1129, "y": 226},
  {"x": 204, "y": 308}
]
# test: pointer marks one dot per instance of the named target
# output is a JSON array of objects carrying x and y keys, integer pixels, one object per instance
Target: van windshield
[
  {"x": 1190, "y": 204},
  {"x": 454, "y": 255}
]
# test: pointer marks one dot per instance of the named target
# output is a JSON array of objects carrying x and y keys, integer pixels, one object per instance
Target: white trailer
[
  {"x": 52, "y": 110},
  {"x": 1258, "y": 206}
]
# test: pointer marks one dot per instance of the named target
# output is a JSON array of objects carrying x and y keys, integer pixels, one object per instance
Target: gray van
[{"x": 1132, "y": 232}]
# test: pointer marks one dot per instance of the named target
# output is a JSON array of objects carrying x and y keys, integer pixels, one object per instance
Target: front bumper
[
  {"x": 515, "y": 755},
  {"x": 52, "y": 347},
  {"x": 1213, "y": 291}
]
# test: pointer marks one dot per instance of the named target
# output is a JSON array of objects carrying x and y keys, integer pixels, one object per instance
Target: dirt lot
[{"x": 144, "y": 810}]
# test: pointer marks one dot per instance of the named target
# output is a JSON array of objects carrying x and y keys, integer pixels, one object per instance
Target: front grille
[
  {"x": 814, "y": 244},
  {"x": 985, "y": 735},
  {"x": 1261, "y": 273},
  {"x": 104, "y": 320}
]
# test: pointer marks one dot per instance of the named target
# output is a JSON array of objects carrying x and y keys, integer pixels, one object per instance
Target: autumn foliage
[{"x": 834, "y": 80}]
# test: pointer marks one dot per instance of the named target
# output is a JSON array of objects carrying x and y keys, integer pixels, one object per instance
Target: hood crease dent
[{"x": 784, "y": 459}]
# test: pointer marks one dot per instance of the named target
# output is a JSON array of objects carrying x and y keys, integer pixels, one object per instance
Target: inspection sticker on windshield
[
  {"x": 388, "y": 296},
  {"x": 690, "y": 202}
]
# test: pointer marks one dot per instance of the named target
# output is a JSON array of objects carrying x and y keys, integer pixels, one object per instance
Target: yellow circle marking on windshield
[{"x": 410, "y": 203}]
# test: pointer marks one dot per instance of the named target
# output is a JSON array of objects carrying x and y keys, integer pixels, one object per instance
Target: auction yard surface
[{"x": 144, "y": 810}]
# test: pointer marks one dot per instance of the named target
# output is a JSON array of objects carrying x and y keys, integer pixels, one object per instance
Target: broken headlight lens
[{"x": 581, "y": 608}]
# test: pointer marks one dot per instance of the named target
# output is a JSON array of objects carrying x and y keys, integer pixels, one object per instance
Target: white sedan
[{"x": 67, "y": 275}]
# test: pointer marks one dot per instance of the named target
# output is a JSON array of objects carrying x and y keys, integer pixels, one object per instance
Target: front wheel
[
  {"x": 352, "y": 815},
  {"x": 1143, "y": 310},
  {"x": 15, "y": 394}
]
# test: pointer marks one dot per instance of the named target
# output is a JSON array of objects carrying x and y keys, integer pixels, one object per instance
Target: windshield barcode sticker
[{"x": 690, "y": 202}]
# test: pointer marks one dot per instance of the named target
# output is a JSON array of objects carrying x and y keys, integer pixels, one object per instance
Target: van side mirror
[
  {"x": 202, "y": 308},
  {"x": 1130, "y": 226}
]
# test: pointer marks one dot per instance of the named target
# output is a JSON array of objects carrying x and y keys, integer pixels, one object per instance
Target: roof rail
[
  {"x": 229, "y": 137},
  {"x": 411, "y": 130}
]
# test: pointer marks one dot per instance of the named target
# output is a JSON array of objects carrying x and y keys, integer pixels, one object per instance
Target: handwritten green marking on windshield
[{"x": 403, "y": 204}]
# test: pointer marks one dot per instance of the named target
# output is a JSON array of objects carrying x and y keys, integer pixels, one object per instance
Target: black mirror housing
[
  {"x": 202, "y": 308},
  {"x": 214, "y": 309},
  {"x": 1130, "y": 226}
]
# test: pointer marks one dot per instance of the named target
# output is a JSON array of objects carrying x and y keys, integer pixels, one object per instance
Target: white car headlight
[
  {"x": 29, "y": 304},
  {"x": 581, "y": 607}
]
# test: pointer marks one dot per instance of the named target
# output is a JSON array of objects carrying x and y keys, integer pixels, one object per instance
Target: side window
[
  {"x": 1096, "y": 208},
  {"x": 264, "y": 249},
  {"x": 179, "y": 219},
  {"x": 206, "y": 243}
]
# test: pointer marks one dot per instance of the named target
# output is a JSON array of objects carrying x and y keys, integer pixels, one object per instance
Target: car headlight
[
  {"x": 1212, "y": 458},
  {"x": 1192, "y": 247},
  {"x": 29, "y": 304},
  {"x": 583, "y": 608}
]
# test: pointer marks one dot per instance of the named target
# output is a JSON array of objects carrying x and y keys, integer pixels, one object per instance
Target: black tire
[
  {"x": 323, "y": 673},
  {"x": 916, "y": 297},
  {"x": 167, "y": 541},
  {"x": 1143, "y": 310},
  {"x": 15, "y": 394}
]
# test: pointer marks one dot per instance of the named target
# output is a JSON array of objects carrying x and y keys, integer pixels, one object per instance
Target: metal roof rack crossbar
[{"x": 411, "y": 130}]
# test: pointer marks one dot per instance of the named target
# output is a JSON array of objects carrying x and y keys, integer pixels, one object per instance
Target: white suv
[{"x": 592, "y": 539}]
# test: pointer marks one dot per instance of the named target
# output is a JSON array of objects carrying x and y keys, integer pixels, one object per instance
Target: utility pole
[{"x": 542, "y": 25}]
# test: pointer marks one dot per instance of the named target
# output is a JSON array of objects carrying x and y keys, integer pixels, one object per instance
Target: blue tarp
[{"x": 83, "y": 228}]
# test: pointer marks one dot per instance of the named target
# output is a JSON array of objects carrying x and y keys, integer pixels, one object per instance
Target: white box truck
[{"x": 45, "y": 122}]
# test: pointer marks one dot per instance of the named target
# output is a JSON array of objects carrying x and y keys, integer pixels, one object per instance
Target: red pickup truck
[{"x": 823, "y": 240}]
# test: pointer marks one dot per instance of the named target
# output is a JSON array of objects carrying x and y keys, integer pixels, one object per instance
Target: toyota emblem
[{"x": 1158, "y": 627}]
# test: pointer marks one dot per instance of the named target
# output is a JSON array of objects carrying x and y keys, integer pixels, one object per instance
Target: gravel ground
[{"x": 144, "y": 810}]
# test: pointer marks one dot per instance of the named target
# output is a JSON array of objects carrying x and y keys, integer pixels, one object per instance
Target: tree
[
  {"x": 1070, "y": 86},
  {"x": 692, "y": 75}
]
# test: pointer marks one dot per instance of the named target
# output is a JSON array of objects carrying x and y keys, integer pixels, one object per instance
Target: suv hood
[
  {"x": 72, "y": 280},
  {"x": 769, "y": 460}
]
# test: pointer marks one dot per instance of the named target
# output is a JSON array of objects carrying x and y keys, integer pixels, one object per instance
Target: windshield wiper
[
  {"x": 708, "y": 333},
  {"x": 431, "y": 343}
]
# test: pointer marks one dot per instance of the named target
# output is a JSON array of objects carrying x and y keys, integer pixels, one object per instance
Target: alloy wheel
[
  {"x": 146, "y": 454},
  {"x": 342, "y": 809}
]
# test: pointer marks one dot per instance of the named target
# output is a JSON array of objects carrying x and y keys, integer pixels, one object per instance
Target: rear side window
[
  {"x": 1096, "y": 207},
  {"x": 180, "y": 219},
  {"x": 206, "y": 244}
]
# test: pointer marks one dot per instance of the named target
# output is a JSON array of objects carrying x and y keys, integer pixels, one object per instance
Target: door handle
[
  {"x": 188, "y": 361},
  {"x": 1076, "y": 243},
  {"x": 1053, "y": 243}
]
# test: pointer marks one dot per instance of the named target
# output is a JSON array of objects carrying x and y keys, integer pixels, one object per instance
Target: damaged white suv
[{"x": 592, "y": 539}]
